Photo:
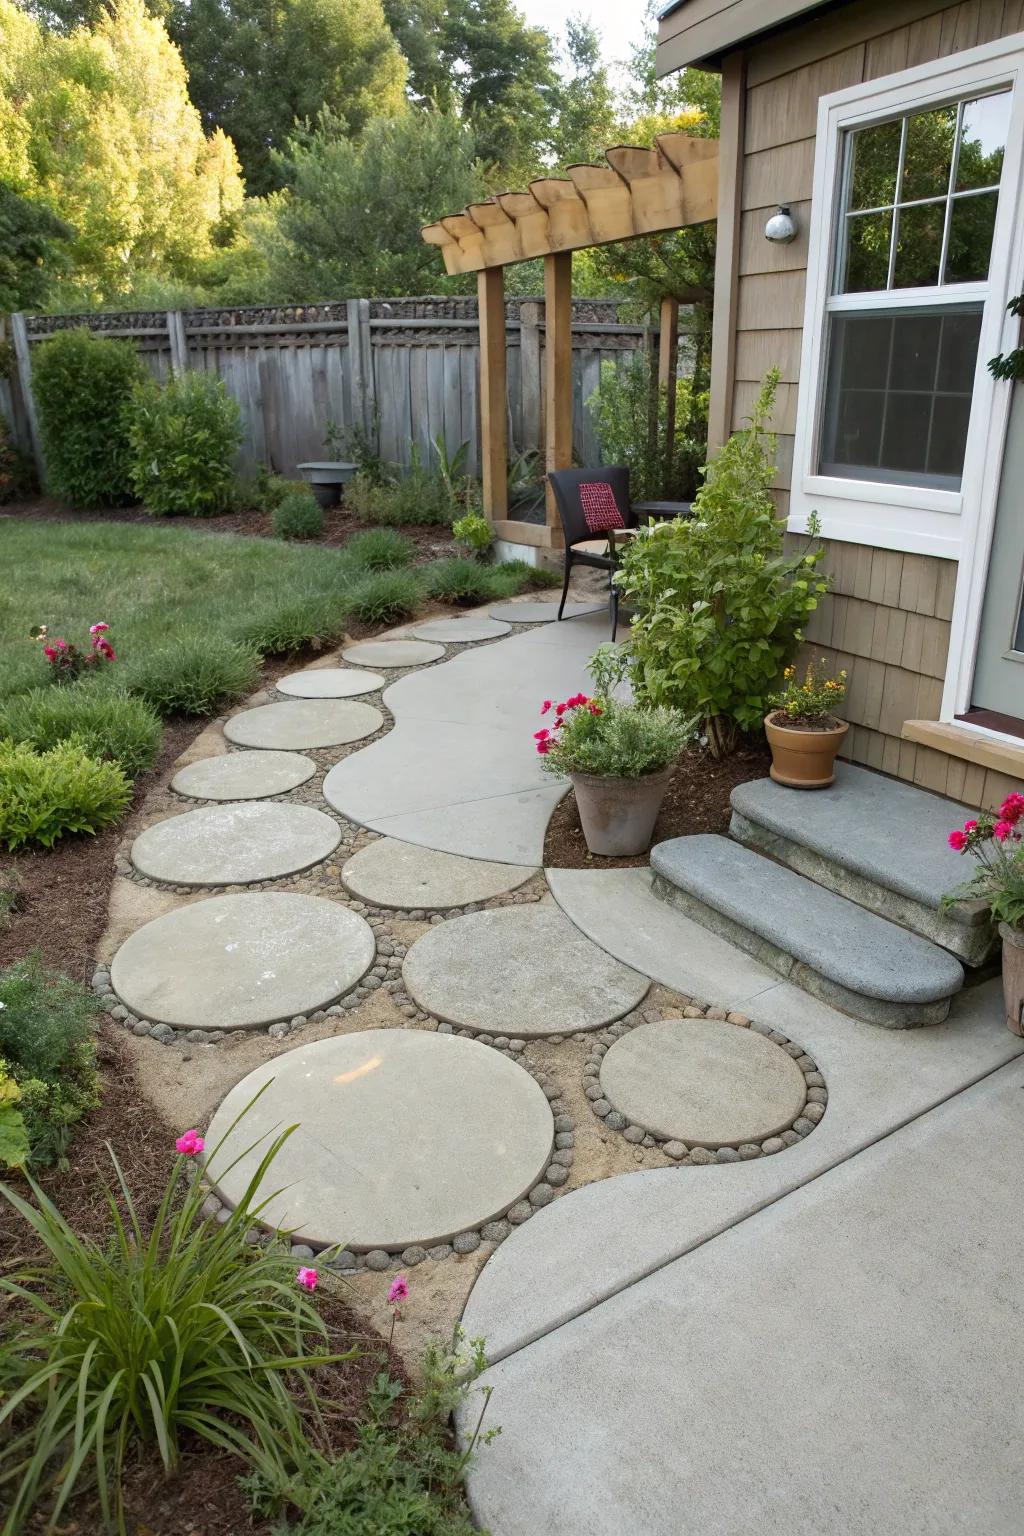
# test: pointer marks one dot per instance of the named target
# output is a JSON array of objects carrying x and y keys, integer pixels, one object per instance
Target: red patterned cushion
[{"x": 600, "y": 509}]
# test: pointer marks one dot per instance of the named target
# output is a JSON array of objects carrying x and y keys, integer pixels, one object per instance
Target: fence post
[
  {"x": 178, "y": 341},
  {"x": 19, "y": 336},
  {"x": 530, "y": 373},
  {"x": 363, "y": 404}
]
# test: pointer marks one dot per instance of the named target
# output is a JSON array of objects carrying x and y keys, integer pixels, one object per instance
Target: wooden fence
[{"x": 402, "y": 371}]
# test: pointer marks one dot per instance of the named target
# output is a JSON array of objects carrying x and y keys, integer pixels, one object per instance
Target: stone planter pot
[
  {"x": 1013, "y": 976},
  {"x": 803, "y": 759},
  {"x": 618, "y": 815},
  {"x": 325, "y": 478}
]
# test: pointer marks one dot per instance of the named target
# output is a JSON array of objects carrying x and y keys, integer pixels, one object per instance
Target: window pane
[
  {"x": 958, "y": 354},
  {"x": 865, "y": 352},
  {"x": 972, "y": 221},
  {"x": 905, "y": 443},
  {"x": 929, "y": 154},
  {"x": 949, "y": 434},
  {"x": 916, "y": 357},
  {"x": 858, "y": 434},
  {"x": 875, "y": 154},
  {"x": 982, "y": 140},
  {"x": 918, "y": 245},
  {"x": 866, "y": 267}
]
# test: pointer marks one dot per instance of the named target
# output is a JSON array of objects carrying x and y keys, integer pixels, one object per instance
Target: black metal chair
[{"x": 565, "y": 483}]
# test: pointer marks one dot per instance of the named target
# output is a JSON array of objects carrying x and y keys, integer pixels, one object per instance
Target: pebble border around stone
[{"x": 685, "y": 1156}]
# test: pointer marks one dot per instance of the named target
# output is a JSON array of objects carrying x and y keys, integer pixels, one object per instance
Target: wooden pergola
[{"x": 637, "y": 192}]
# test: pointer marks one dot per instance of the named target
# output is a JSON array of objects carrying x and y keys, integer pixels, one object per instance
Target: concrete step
[
  {"x": 878, "y": 842},
  {"x": 833, "y": 948}
]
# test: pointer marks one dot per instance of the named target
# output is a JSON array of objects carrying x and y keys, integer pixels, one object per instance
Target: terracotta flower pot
[
  {"x": 1013, "y": 977},
  {"x": 618, "y": 815},
  {"x": 803, "y": 758}
]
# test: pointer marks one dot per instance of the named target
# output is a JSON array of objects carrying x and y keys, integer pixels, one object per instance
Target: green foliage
[
  {"x": 32, "y": 253},
  {"x": 46, "y": 1025},
  {"x": 1011, "y": 364},
  {"x": 474, "y": 533},
  {"x": 384, "y": 597},
  {"x": 528, "y": 578},
  {"x": 14, "y": 1143},
  {"x": 83, "y": 386},
  {"x": 298, "y": 515},
  {"x": 193, "y": 675},
  {"x": 997, "y": 843},
  {"x": 810, "y": 699},
  {"x": 184, "y": 436},
  {"x": 419, "y": 497},
  {"x": 295, "y": 622},
  {"x": 106, "y": 722},
  {"x": 607, "y": 736},
  {"x": 462, "y": 581},
  {"x": 380, "y": 549},
  {"x": 718, "y": 607},
  {"x": 621, "y": 410},
  {"x": 271, "y": 490},
  {"x": 586, "y": 122},
  {"x": 47, "y": 794},
  {"x": 151, "y": 1336},
  {"x": 17, "y": 472}
]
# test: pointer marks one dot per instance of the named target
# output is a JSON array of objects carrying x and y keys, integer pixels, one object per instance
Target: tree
[
  {"x": 258, "y": 67},
  {"x": 33, "y": 247},
  {"x": 587, "y": 116},
  {"x": 349, "y": 221}
]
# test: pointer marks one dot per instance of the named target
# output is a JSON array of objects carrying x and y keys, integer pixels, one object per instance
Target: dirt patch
[{"x": 697, "y": 801}]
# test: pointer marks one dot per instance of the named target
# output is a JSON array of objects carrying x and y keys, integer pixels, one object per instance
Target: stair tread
[
  {"x": 835, "y": 937},
  {"x": 889, "y": 832}
]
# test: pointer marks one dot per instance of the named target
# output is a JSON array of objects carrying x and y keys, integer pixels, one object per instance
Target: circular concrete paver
[
  {"x": 539, "y": 613},
  {"x": 519, "y": 971},
  {"x": 704, "y": 1082},
  {"x": 243, "y": 775},
  {"x": 459, "y": 631},
  {"x": 304, "y": 723},
  {"x": 234, "y": 962},
  {"x": 235, "y": 844},
  {"x": 390, "y": 873},
  {"x": 404, "y": 1137},
  {"x": 329, "y": 683},
  {"x": 392, "y": 653}
]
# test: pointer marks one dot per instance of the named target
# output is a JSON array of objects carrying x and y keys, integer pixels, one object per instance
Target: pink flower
[
  {"x": 561, "y": 709},
  {"x": 49, "y": 653},
  {"x": 399, "y": 1290},
  {"x": 957, "y": 840},
  {"x": 191, "y": 1144},
  {"x": 1002, "y": 830},
  {"x": 541, "y": 735},
  {"x": 1012, "y": 808},
  {"x": 970, "y": 826},
  {"x": 543, "y": 747},
  {"x": 306, "y": 1278},
  {"x": 106, "y": 649},
  {"x": 98, "y": 629},
  {"x": 594, "y": 710},
  {"x": 545, "y": 706},
  {"x": 62, "y": 645}
]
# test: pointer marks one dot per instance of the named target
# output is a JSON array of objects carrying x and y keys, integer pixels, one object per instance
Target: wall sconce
[{"x": 781, "y": 228}]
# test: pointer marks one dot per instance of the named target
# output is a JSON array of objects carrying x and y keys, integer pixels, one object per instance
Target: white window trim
[{"x": 954, "y": 525}]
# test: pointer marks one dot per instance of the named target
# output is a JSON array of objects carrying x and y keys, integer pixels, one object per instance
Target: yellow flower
[{"x": 788, "y": 672}]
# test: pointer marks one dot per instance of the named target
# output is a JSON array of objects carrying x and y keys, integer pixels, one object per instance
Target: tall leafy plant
[
  {"x": 631, "y": 422},
  {"x": 83, "y": 386},
  {"x": 184, "y": 437},
  {"x": 719, "y": 605}
]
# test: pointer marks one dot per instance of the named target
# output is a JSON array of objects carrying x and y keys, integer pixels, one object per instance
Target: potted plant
[
  {"x": 996, "y": 842},
  {"x": 803, "y": 729},
  {"x": 619, "y": 756}
]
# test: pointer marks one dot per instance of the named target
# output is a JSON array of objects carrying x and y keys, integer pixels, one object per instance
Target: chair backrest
[{"x": 566, "y": 485}]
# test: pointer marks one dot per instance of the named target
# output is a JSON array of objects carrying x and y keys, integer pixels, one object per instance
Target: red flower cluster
[
  {"x": 544, "y": 738},
  {"x": 66, "y": 658},
  {"x": 978, "y": 830}
]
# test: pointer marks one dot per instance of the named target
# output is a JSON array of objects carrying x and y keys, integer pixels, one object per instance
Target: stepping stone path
[
  {"x": 329, "y": 683},
  {"x": 539, "y": 613},
  {"x": 240, "y": 961},
  {"x": 523, "y": 971},
  {"x": 243, "y": 775},
  {"x": 392, "y": 653},
  {"x": 459, "y": 631},
  {"x": 406, "y": 1138},
  {"x": 304, "y": 723},
  {"x": 703, "y": 1082},
  {"x": 236, "y": 844},
  {"x": 390, "y": 873}
]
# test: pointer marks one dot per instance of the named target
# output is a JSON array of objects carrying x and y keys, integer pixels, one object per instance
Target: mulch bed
[{"x": 697, "y": 801}]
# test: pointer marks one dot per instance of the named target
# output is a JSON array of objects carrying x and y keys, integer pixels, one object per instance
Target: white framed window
[{"x": 915, "y": 211}]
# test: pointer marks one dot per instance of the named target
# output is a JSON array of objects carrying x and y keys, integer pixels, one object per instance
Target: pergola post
[
  {"x": 493, "y": 392},
  {"x": 668, "y": 355},
  {"x": 557, "y": 368}
]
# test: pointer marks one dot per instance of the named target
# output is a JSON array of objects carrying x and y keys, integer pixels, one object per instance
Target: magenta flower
[
  {"x": 541, "y": 735},
  {"x": 957, "y": 841},
  {"x": 306, "y": 1278},
  {"x": 399, "y": 1290},
  {"x": 545, "y": 706},
  {"x": 1001, "y": 831},
  {"x": 191, "y": 1144},
  {"x": 98, "y": 629}
]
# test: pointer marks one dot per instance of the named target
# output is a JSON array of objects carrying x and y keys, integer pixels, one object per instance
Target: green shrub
[
  {"x": 463, "y": 581},
  {"x": 608, "y": 736},
  {"x": 384, "y": 597},
  {"x": 621, "y": 407},
  {"x": 718, "y": 607},
  {"x": 193, "y": 676},
  {"x": 44, "y": 795},
  {"x": 145, "y": 1337},
  {"x": 17, "y": 472},
  {"x": 107, "y": 723},
  {"x": 380, "y": 549},
  {"x": 270, "y": 490},
  {"x": 296, "y": 623},
  {"x": 298, "y": 515},
  {"x": 46, "y": 1025},
  {"x": 420, "y": 497},
  {"x": 474, "y": 533},
  {"x": 529, "y": 578},
  {"x": 184, "y": 436},
  {"x": 83, "y": 387}
]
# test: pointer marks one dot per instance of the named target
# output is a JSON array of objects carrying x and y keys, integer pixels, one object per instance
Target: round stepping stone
[
  {"x": 235, "y": 962},
  {"x": 329, "y": 683},
  {"x": 235, "y": 844},
  {"x": 389, "y": 873},
  {"x": 392, "y": 653},
  {"x": 519, "y": 971},
  {"x": 304, "y": 723},
  {"x": 539, "y": 613},
  {"x": 459, "y": 631},
  {"x": 405, "y": 1138},
  {"x": 243, "y": 775},
  {"x": 704, "y": 1082}
]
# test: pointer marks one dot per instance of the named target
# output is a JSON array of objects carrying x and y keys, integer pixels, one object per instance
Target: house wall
[{"x": 888, "y": 617}]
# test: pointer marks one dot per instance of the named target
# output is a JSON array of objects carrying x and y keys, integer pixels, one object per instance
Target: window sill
[{"x": 970, "y": 745}]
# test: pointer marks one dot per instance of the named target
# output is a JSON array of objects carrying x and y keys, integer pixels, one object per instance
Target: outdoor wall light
[{"x": 781, "y": 228}]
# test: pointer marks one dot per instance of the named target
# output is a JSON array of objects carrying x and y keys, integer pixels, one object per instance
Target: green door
[{"x": 999, "y": 674}]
